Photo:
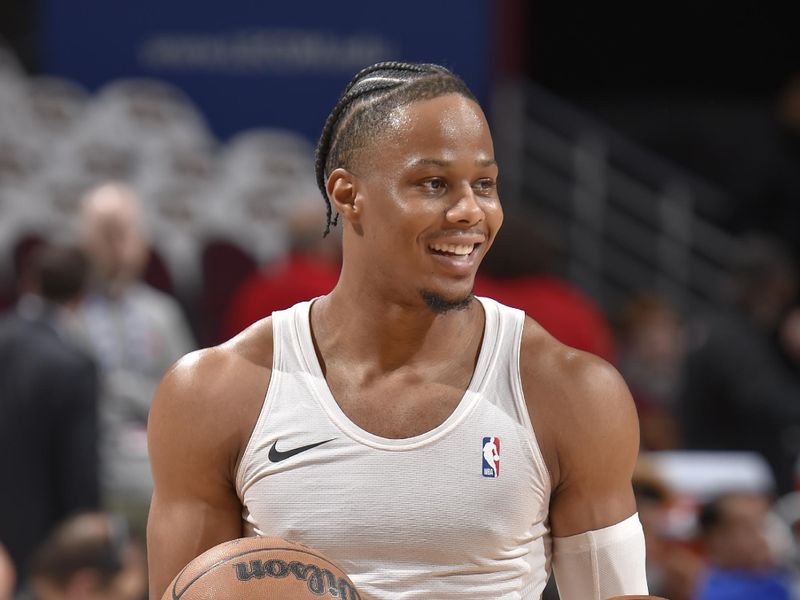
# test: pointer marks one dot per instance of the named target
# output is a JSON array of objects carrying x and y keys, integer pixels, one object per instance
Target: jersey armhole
[
  {"x": 266, "y": 405},
  {"x": 522, "y": 405}
]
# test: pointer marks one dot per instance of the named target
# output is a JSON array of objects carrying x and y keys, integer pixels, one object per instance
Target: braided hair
[{"x": 364, "y": 107}]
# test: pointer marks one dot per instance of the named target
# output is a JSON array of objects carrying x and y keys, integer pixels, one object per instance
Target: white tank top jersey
[{"x": 457, "y": 512}]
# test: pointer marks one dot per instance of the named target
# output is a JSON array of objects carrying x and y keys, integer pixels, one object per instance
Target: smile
[{"x": 453, "y": 249}]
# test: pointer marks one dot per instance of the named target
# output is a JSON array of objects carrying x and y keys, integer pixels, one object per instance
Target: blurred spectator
[
  {"x": 673, "y": 567},
  {"x": 774, "y": 205},
  {"x": 789, "y": 338},
  {"x": 89, "y": 557},
  {"x": 310, "y": 270},
  {"x": 8, "y": 575},
  {"x": 136, "y": 332},
  {"x": 787, "y": 507},
  {"x": 741, "y": 390},
  {"x": 742, "y": 562},
  {"x": 517, "y": 271},
  {"x": 48, "y": 412},
  {"x": 652, "y": 349}
]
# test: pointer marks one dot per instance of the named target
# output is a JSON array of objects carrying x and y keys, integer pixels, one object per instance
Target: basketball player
[{"x": 356, "y": 423}]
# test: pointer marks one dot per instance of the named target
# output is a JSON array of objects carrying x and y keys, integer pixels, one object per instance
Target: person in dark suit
[
  {"x": 48, "y": 412},
  {"x": 741, "y": 386}
]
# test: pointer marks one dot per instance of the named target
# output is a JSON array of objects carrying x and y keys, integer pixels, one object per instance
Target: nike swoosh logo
[{"x": 276, "y": 455}]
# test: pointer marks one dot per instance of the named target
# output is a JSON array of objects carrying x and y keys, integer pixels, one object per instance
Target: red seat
[{"x": 224, "y": 267}]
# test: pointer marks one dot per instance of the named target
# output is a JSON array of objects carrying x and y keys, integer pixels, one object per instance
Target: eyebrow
[{"x": 421, "y": 162}]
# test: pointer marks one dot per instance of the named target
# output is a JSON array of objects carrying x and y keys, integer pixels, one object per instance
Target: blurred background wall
[{"x": 247, "y": 65}]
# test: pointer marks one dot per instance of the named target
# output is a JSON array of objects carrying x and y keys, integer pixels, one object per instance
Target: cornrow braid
[{"x": 366, "y": 101}]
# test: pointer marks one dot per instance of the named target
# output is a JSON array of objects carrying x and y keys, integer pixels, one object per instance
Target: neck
[{"x": 366, "y": 328}]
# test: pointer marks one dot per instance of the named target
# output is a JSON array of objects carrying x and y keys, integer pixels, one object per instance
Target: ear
[{"x": 342, "y": 188}]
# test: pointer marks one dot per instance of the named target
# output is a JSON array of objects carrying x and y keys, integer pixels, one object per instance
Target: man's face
[
  {"x": 427, "y": 196},
  {"x": 114, "y": 243},
  {"x": 740, "y": 540}
]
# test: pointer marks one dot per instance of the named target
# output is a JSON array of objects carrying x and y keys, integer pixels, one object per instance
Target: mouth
[
  {"x": 454, "y": 250},
  {"x": 455, "y": 260}
]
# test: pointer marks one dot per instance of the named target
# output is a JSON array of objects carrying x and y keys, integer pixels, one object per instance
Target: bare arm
[
  {"x": 201, "y": 417},
  {"x": 596, "y": 451},
  {"x": 587, "y": 428}
]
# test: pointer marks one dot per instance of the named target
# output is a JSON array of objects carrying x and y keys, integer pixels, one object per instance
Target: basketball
[{"x": 263, "y": 569}]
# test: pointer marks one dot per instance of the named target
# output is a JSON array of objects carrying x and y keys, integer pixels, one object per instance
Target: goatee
[{"x": 441, "y": 305}]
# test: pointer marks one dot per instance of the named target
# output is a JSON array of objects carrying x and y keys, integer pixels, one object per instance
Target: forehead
[{"x": 444, "y": 124}]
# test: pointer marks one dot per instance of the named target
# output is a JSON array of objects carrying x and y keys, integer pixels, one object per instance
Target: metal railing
[{"x": 624, "y": 220}]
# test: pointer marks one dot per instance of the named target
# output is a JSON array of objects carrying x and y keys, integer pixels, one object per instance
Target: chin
[{"x": 441, "y": 304}]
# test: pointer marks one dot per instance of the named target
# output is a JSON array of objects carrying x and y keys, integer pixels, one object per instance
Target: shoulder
[
  {"x": 74, "y": 357},
  {"x": 16, "y": 333},
  {"x": 579, "y": 403},
  {"x": 9, "y": 323},
  {"x": 563, "y": 369},
  {"x": 41, "y": 338},
  {"x": 210, "y": 374},
  {"x": 214, "y": 395},
  {"x": 145, "y": 291},
  {"x": 155, "y": 300}
]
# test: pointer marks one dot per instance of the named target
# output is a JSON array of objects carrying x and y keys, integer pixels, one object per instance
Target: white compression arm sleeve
[{"x": 600, "y": 564}]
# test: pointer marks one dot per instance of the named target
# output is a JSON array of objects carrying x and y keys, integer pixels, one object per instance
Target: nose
[{"x": 466, "y": 209}]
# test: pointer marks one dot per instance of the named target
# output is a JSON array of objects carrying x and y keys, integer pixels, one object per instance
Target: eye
[
  {"x": 485, "y": 186},
  {"x": 434, "y": 184}
]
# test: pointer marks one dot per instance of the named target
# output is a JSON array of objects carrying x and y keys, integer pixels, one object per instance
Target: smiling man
[{"x": 435, "y": 444}]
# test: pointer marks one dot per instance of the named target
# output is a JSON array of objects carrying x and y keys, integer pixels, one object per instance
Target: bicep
[
  {"x": 597, "y": 454},
  {"x": 178, "y": 530},
  {"x": 194, "y": 504}
]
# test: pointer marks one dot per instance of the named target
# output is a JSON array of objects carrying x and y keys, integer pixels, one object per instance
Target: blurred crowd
[{"x": 123, "y": 256}]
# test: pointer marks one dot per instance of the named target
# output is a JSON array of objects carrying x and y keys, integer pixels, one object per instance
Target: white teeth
[{"x": 459, "y": 249}]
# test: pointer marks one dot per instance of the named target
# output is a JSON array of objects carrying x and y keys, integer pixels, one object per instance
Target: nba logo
[{"x": 491, "y": 456}]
